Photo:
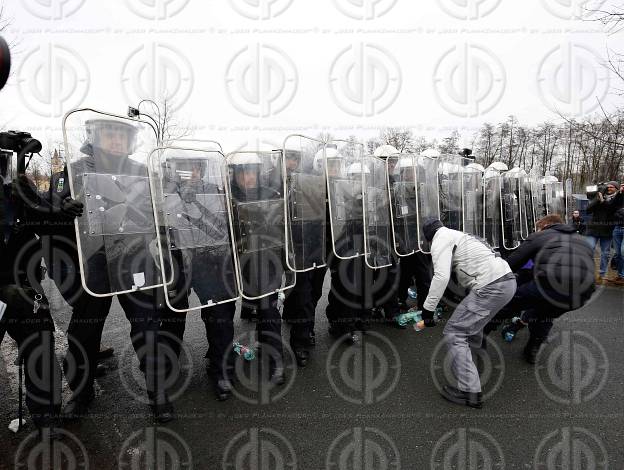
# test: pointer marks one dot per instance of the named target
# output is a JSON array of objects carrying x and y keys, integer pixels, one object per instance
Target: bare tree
[{"x": 169, "y": 127}]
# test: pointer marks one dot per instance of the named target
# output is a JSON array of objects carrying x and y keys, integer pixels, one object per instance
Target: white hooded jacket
[{"x": 474, "y": 263}]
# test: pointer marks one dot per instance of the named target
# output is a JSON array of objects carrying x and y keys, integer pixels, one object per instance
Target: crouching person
[
  {"x": 490, "y": 284},
  {"x": 562, "y": 279}
]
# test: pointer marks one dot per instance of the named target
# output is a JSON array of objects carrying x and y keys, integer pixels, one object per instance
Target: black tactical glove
[
  {"x": 427, "y": 316},
  {"x": 71, "y": 208}
]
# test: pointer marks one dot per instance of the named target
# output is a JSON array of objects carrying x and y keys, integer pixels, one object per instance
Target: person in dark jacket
[
  {"x": 618, "y": 236},
  {"x": 600, "y": 229},
  {"x": 563, "y": 279},
  {"x": 578, "y": 222}
]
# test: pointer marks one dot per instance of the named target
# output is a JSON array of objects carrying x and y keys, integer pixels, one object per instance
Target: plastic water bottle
[
  {"x": 412, "y": 297},
  {"x": 413, "y": 316},
  {"x": 245, "y": 351},
  {"x": 437, "y": 314},
  {"x": 510, "y": 332}
]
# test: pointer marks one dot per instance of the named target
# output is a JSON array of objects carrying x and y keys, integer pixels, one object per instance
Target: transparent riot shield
[
  {"x": 306, "y": 194},
  {"x": 377, "y": 223},
  {"x": 107, "y": 159},
  {"x": 258, "y": 205},
  {"x": 511, "y": 208},
  {"x": 554, "y": 198},
  {"x": 195, "y": 238},
  {"x": 472, "y": 190},
  {"x": 343, "y": 170},
  {"x": 539, "y": 199},
  {"x": 450, "y": 182},
  {"x": 528, "y": 185},
  {"x": 570, "y": 201},
  {"x": 401, "y": 172},
  {"x": 428, "y": 196},
  {"x": 492, "y": 207}
]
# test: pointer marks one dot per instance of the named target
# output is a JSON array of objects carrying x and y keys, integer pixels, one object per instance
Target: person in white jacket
[{"x": 491, "y": 286}]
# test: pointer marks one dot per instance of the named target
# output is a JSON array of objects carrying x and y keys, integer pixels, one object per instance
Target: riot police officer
[
  {"x": 115, "y": 243},
  {"x": 306, "y": 198},
  {"x": 200, "y": 246},
  {"x": 258, "y": 210}
]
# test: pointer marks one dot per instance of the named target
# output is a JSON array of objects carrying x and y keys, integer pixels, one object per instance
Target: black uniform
[
  {"x": 194, "y": 264},
  {"x": 308, "y": 238},
  {"x": 26, "y": 317},
  {"x": 105, "y": 269},
  {"x": 261, "y": 258}
]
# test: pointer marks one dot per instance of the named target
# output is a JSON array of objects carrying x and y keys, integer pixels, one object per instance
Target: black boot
[
  {"x": 454, "y": 395},
  {"x": 48, "y": 427},
  {"x": 277, "y": 376},
  {"x": 162, "y": 408},
  {"x": 301, "y": 356},
  {"x": 105, "y": 354},
  {"x": 78, "y": 405},
  {"x": 223, "y": 389},
  {"x": 531, "y": 350}
]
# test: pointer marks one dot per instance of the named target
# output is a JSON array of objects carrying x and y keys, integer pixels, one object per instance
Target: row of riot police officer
[{"x": 170, "y": 230}]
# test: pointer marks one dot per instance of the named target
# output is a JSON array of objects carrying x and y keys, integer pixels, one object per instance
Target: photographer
[
  {"x": 25, "y": 313},
  {"x": 600, "y": 229},
  {"x": 618, "y": 236}
]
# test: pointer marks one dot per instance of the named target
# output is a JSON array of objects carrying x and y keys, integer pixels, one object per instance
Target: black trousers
[
  {"x": 385, "y": 289},
  {"x": 416, "y": 268},
  {"x": 350, "y": 298},
  {"x": 300, "y": 306},
  {"x": 540, "y": 307},
  {"x": 143, "y": 310},
  {"x": 34, "y": 334}
]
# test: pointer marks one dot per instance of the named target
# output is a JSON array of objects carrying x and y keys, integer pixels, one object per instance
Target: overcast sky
[{"x": 249, "y": 72}]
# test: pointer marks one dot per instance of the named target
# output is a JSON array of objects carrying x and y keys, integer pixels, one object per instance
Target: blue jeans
[
  {"x": 605, "y": 251},
  {"x": 618, "y": 242}
]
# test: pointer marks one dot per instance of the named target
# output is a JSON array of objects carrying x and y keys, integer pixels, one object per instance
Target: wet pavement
[{"x": 371, "y": 406}]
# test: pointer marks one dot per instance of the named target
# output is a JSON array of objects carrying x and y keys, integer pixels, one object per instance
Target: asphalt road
[{"x": 374, "y": 406}]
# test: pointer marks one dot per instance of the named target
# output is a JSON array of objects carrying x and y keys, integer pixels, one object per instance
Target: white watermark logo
[
  {"x": 572, "y": 79},
  {"x": 469, "y": 80},
  {"x": 260, "y": 9},
  {"x": 261, "y": 80},
  {"x": 365, "y": 79},
  {"x": 158, "y": 70},
  {"x": 52, "y": 80},
  {"x": 365, "y": 9}
]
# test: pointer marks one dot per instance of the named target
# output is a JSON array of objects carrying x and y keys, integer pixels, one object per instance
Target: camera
[
  {"x": 5, "y": 62},
  {"x": 593, "y": 190},
  {"x": 18, "y": 141}
]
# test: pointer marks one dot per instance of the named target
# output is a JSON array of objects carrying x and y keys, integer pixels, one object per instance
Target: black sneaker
[{"x": 454, "y": 395}]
